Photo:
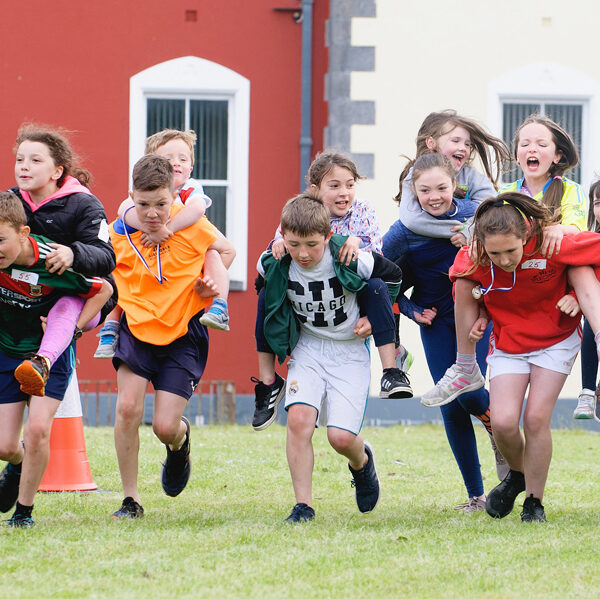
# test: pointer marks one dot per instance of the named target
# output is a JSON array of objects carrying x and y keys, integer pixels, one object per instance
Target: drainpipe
[{"x": 306, "y": 83}]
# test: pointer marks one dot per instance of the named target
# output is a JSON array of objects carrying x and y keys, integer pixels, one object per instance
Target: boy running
[
  {"x": 312, "y": 313},
  {"x": 161, "y": 290}
]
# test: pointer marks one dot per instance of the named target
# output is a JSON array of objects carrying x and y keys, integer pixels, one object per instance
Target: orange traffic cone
[{"x": 68, "y": 467}]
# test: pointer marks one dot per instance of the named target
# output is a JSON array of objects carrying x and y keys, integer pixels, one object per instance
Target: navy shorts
[
  {"x": 176, "y": 367},
  {"x": 60, "y": 375}
]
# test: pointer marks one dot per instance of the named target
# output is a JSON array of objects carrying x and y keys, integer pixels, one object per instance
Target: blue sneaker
[
  {"x": 301, "y": 513},
  {"x": 21, "y": 521},
  {"x": 366, "y": 483},
  {"x": 109, "y": 337},
  {"x": 217, "y": 316}
]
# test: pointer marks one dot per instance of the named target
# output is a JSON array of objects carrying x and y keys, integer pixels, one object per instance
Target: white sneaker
[
  {"x": 454, "y": 383},
  {"x": 585, "y": 405}
]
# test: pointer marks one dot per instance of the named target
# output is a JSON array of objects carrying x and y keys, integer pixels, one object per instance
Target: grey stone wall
[{"x": 343, "y": 59}]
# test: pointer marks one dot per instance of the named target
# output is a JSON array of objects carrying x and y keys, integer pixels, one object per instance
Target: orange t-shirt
[{"x": 159, "y": 313}]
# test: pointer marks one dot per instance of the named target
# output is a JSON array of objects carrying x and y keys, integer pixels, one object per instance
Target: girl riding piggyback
[{"x": 461, "y": 140}]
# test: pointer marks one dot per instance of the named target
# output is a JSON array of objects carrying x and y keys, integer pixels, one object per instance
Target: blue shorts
[
  {"x": 176, "y": 367},
  {"x": 60, "y": 375}
]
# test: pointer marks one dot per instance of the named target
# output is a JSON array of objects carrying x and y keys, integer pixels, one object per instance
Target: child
[
  {"x": 589, "y": 357},
  {"x": 332, "y": 177},
  {"x": 434, "y": 180},
  {"x": 161, "y": 339},
  {"x": 51, "y": 188},
  {"x": 544, "y": 151},
  {"x": 312, "y": 312},
  {"x": 27, "y": 292},
  {"x": 178, "y": 148},
  {"x": 535, "y": 338},
  {"x": 461, "y": 140}
]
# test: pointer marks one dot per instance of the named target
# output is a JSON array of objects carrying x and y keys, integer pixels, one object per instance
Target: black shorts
[
  {"x": 175, "y": 368},
  {"x": 60, "y": 375}
]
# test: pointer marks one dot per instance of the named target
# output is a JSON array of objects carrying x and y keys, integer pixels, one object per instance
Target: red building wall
[{"x": 69, "y": 63}]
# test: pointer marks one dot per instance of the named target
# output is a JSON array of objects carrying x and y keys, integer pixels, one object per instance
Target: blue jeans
[
  {"x": 589, "y": 358},
  {"x": 439, "y": 344}
]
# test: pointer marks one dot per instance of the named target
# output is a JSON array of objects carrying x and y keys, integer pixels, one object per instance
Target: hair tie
[{"x": 559, "y": 177}]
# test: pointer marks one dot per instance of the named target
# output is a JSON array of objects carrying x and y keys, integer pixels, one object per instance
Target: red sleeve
[{"x": 462, "y": 264}]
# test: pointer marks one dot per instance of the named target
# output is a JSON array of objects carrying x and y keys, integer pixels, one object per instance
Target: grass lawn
[{"x": 224, "y": 536}]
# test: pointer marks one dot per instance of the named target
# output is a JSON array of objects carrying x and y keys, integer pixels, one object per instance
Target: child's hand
[
  {"x": 476, "y": 332},
  {"x": 60, "y": 259},
  {"x": 349, "y": 251},
  {"x": 44, "y": 320},
  {"x": 149, "y": 240},
  {"x": 569, "y": 305},
  {"x": 426, "y": 317},
  {"x": 362, "y": 327},
  {"x": 458, "y": 239},
  {"x": 552, "y": 239},
  {"x": 278, "y": 249},
  {"x": 205, "y": 287}
]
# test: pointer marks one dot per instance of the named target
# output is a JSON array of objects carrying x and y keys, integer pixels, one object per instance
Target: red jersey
[{"x": 526, "y": 317}]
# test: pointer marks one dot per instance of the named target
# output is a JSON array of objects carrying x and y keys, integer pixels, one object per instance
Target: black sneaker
[
  {"x": 21, "y": 521},
  {"x": 129, "y": 509},
  {"x": 395, "y": 385},
  {"x": 301, "y": 513},
  {"x": 533, "y": 510},
  {"x": 597, "y": 404},
  {"x": 366, "y": 483},
  {"x": 9, "y": 486},
  {"x": 501, "y": 498},
  {"x": 266, "y": 398},
  {"x": 177, "y": 467}
]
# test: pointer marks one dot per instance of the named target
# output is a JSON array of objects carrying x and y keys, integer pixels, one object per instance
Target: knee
[
  {"x": 167, "y": 432},
  {"x": 339, "y": 439},
  {"x": 128, "y": 411},
  {"x": 301, "y": 420},
  {"x": 534, "y": 424},
  {"x": 36, "y": 434},
  {"x": 8, "y": 449},
  {"x": 503, "y": 426}
]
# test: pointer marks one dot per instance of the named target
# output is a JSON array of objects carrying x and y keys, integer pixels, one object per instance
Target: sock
[
  {"x": 15, "y": 468},
  {"x": 465, "y": 362},
  {"x": 24, "y": 510},
  {"x": 597, "y": 340},
  {"x": 485, "y": 420},
  {"x": 219, "y": 304},
  {"x": 62, "y": 319},
  {"x": 388, "y": 369},
  {"x": 111, "y": 325}
]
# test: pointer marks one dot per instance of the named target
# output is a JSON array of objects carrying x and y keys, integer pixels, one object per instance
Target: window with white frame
[
  {"x": 193, "y": 93},
  {"x": 569, "y": 115}
]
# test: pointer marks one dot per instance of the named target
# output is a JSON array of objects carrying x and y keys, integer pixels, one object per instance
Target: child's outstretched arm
[{"x": 94, "y": 304}]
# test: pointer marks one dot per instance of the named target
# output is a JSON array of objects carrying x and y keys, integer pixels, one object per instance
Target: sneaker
[
  {"x": 9, "y": 487},
  {"x": 501, "y": 498},
  {"x": 475, "y": 504},
  {"x": 216, "y": 317},
  {"x": 366, "y": 483},
  {"x": 177, "y": 467},
  {"x": 129, "y": 509},
  {"x": 502, "y": 466},
  {"x": 301, "y": 513},
  {"x": 597, "y": 404},
  {"x": 395, "y": 385},
  {"x": 404, "y": 359},
  {"x": 21, "y": 521},
  {"x": 585, "y": 405},
  {"x": 266, "y": 399},
  {"x": 109, "y": 337},
  {"x": 533, "y": 510},
  {"x": 33, "y": 375},
  {"x": 454, "y": 383}
]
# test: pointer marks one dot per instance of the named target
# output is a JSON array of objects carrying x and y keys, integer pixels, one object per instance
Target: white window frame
[
  {"x": 190, "y": 77},
  {"x": 551, "y": 83}
]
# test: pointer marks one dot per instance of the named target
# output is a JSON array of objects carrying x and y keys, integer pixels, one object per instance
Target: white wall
[{"x": 435, "y": 55}]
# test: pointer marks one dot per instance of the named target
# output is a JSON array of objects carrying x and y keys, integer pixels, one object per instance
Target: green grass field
[{"x": 224, "y": 536}]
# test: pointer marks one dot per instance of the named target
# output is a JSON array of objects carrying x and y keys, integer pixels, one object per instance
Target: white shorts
[
  {"x": 337, "y": 372},
  {"x": 558, "y": 357}
]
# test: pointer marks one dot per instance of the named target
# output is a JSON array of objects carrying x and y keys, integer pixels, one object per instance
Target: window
[
  {"x": 210, "y": 120},
  {"x": 568, "y": 115},
  {"x": 193, "y": 93}
]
